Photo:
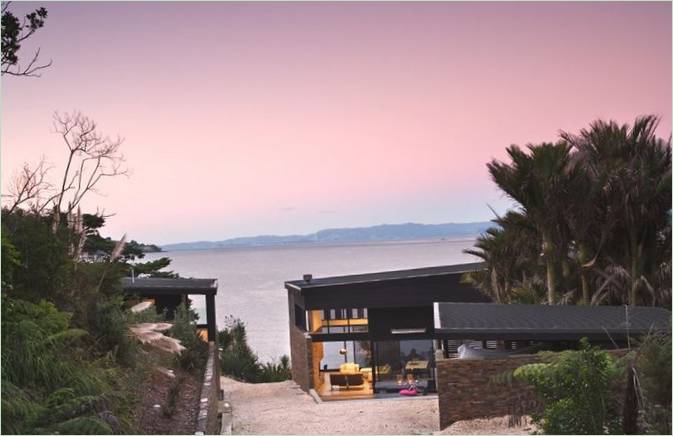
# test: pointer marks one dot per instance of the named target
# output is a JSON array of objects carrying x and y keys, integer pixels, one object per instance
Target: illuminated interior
[
  {"x": 342, "y": 369},
  {"x": 330, "y": 321}
]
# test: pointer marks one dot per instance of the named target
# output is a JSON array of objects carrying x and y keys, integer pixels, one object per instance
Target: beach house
[{"x": 366, "y": 335}]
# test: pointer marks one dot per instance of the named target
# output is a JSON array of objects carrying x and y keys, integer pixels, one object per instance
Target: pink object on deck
[{"x": 411, "y": 392}]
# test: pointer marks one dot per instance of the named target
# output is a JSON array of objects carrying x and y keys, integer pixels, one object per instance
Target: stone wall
[
  {"x": 206, "y": 421},
  {"x": 465, "y": 390},
  {"x": 300, "y": 357}
]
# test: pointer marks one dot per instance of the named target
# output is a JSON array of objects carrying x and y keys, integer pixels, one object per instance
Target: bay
[{"x": 250, "y": 280}]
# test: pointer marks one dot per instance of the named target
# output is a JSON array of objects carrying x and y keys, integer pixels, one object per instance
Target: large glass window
[
  {"x": 338, "y": 320},
  {"x": 333, "y": 356},
  {"x": 335, "y": 353},
  {"x": 342, "y": 366},
  {"x": 401, "y": 362}
]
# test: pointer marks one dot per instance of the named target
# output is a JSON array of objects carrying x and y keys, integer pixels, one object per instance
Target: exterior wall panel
[
  {"x": 418, "y": 291},
  {"x": 301, "y": 358},
  {"x": 300, "y": 346}
]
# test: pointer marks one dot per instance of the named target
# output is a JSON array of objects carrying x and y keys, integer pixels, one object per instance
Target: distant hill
[{"x": 384, "y": 232}]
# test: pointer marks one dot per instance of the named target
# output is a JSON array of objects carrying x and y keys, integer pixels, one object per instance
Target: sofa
[
  {"x": 349, "y": 376},
  {"x": 349, "y": 368},
  {"x": 348, "y": 381}
]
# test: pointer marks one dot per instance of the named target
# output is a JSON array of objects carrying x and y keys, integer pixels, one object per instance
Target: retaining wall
[
  {"x": 465, "y": 390},
  {"x": 206, "y": 421}
]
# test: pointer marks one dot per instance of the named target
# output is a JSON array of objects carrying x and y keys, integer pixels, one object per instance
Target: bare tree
[
  {"x": 92, "y": 157},
  {"x": 29, "y": 186},
  {"x": 14, "y": 33}
]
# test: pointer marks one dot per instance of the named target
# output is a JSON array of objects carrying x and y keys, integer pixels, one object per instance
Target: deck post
[{"x": 210, "y": 316}]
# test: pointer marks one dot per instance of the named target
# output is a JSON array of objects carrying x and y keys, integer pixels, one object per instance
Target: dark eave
[
  {"x": 325, "y": 282},
  {"x": 542, "y": 322},
  {"x": 169, "y": 286}
]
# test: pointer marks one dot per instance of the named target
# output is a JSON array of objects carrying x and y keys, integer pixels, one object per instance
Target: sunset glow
[{"x": 269, "y": 118}]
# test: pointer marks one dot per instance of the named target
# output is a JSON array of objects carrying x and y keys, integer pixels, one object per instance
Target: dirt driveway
[{"x": 283, "y": 408}]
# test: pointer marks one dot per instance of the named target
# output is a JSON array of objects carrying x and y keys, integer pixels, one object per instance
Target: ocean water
[{"x": 250, "y": 280}]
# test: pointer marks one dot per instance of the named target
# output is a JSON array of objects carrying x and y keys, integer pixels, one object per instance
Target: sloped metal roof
[
  {"x": 384, "y": 276},
  {"x": 522, "y": 321},
  {"x": 161, "y": 285}
]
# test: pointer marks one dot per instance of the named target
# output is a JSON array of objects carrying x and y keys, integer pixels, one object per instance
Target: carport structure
[
  {"x": 465, "y": 386},
  {"x": 535, "y": 322},
  {"x": 168, "y": 293}
]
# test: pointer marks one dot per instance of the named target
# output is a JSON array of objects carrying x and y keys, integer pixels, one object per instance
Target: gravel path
[{"x": 283, "y": 408}]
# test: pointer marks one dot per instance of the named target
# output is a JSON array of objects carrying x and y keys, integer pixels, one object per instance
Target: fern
[
  {"x": 19, "y": 412},
  {"x": 69, "y": 409},
  {"x": 60, "y": 396},
  {"x": 83, "y": 425},
  {"x": 46, "y": 386},
  {"x": 62, "y": 338}
]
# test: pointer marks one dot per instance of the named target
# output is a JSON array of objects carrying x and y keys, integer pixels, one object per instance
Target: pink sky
[{"x": 245, "y": 119}]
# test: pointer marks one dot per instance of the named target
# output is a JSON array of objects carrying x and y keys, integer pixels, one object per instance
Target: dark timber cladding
[
  {"x": 159, "y": 286},
  {"x": 404, "y": 288},
  {"x": 538, "y": 322}
]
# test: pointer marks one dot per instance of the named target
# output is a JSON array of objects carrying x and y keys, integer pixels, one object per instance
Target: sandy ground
[
  {"x": 283, "y": 408},
  {"x": 501, "y": 425}
]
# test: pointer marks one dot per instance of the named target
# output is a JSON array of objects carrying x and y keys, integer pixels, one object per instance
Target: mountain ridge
[{"x": 377, "y": 233}]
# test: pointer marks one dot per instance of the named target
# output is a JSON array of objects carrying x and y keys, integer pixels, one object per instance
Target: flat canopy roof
[
  {"x": 541, "y": 322},
  {"x": 169, "y": 286},
  {"x": 384, "y": 276}
]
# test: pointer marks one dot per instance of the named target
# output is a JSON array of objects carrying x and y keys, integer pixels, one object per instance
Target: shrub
[
  {"x": 36, "y": 345},
  {"x": 275, "y": 372},
  {"x": 239, "y": 361},
  {"x": 576, "y": 389},
  {"x": 653, "y": 365},
  {"x": 108, "y": 323},
  {"x": 64, "y": 335},
  {"x": 172, "y": 397},
  {"x": 45, "y": 270},
  {"x": 83, "y": 425},
  {"x": 47, "y": 383},
  {"x": 19, "y": 411},
  {"x": 10, "y": 260},
  {"x": 194, "y": 357}
]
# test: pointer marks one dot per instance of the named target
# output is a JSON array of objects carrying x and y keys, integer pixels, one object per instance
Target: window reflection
[
  {"x": 333, "y": 354},
  {"x": 401, "y": 362}
]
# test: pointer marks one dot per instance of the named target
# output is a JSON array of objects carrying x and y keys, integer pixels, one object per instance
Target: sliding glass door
[{"x": 399, "y": 363}]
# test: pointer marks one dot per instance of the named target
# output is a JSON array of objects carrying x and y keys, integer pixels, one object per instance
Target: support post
[{"x": 210, "y": 317}]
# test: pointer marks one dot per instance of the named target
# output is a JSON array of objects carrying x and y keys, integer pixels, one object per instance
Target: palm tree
[
  {"x": 587, "y": 223},
  {"x": 496, "y": 251},
  {"x": 631, "y": 169},
  {"x": 540, "y": 182},
  {"x": 506, "y": 250}
]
